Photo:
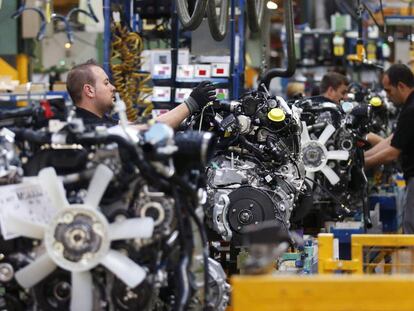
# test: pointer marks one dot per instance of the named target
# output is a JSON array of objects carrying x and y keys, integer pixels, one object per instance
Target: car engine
[
  {"x": 332, "y": 152},
  {"x": 256, "y": 174},
  {"x": 70, "y": 244}
]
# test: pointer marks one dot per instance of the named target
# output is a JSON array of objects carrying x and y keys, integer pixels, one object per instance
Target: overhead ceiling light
[{"x": 271, "y": 5}]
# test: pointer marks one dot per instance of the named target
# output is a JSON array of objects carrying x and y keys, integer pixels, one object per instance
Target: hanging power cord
[
  {"x": 343, "y": 207},
  {"x": 68, "y": 18},
  {"x": 383, "y": 16},
  {"x": 126, "y": 59},
  {"x": 371, "y": 14},
  {"x": 90, "y": 13},
  {"x": 47, "y": 16},
  {"x": 43, "y": 21}
]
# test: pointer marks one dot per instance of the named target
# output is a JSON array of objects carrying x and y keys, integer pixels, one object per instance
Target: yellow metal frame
[
  {"x": 22, "y": 62},
  {"x": 327, "y": 291},
  {"x": 323, "y": 293},
  {"x": 327, "y": 264},
  {"x": 21, "y": 72},
  {"x": 7, "y": 70}
]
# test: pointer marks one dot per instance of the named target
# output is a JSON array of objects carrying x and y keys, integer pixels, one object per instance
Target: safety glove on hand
[{"x": 202, "y": 94}]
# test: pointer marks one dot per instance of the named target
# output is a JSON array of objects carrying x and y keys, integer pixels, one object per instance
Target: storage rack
[{"x": 235, "y": 81}]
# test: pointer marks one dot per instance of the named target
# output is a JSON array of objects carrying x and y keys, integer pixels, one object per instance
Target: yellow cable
[{"x": 126, "y": 60}]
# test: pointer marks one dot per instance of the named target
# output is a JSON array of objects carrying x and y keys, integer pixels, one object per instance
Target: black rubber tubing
[
  {"x": 191, "y": 22},
  {"x": 218, "y": 25},
  {"x": 255, "y": 13}
]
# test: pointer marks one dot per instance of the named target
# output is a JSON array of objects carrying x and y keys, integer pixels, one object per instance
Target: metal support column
[
  {"x": 237, "y": 48},
  {"x": 175, "y": 30},
  {"x": 233, "y": 72},
  {"x": 240, "y": 39},
  {"x": 107, "y": 37}
]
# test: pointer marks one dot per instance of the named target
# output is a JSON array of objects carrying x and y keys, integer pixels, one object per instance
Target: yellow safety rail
[
  {"x": 323, "y": 293},
  {"x": 390, "y": 243},
  {"x": 334, "y": 292}
]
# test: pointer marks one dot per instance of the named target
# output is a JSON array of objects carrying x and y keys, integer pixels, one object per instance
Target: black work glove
[{"x": 202, "y": 94}]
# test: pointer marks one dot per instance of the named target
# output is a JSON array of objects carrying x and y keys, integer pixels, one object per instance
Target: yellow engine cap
[
  {"x": 375, "y": 101},
  {"x": 276, "y": 115}
]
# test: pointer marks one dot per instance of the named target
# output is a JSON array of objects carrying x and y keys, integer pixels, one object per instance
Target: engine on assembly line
[
  {"x": 332, "y": 152},
  {"x": 104, "y": 219},
  {"x": 256, "y": 174}
]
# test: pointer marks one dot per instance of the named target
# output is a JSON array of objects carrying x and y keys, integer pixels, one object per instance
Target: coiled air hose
[
  {"x": 193, "y": 21},
  {"x": 255, "y": 14},
  {"x": 218, "y": 25},
  {"x": 126, "y": 60}
]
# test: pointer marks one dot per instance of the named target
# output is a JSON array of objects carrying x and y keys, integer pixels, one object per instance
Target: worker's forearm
[
  {"x": 174, "y": 117},
  {"x": 374, "y": 139},
  {"x": 385, "y": 156},
  {"x": 378, "y": 147}
]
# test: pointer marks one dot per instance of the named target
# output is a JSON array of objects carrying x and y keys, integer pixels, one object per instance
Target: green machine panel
[{"x": 8, "y": 28}]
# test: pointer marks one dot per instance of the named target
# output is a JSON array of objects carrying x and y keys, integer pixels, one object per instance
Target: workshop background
[{"x": 259, "y": 201}]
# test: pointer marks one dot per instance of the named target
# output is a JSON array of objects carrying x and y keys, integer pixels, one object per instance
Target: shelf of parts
[{"x": 235, "y": 82}]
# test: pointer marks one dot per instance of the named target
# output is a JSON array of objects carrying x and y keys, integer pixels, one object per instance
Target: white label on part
[
  {"x": 335, "y": 249},
  {"x": 28, "y": 201},
  {"x": 237, "y": 50}
]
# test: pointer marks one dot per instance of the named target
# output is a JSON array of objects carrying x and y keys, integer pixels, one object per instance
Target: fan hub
[
  {"x": 61, "y": 291},
  {"x": 314, "y": 156},
  {"x": 77, "y": 238}
]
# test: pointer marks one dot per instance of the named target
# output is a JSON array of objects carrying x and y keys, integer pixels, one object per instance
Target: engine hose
[
  {"x": 333, "y": 110},
  {"x": 249, "y": 146},
  {"x": 255, "y": 14},
  {"x": 290, "y": 51},
  {"x": 16, "y": 113},
  {"x": 227, "y": 142},
  {"x": 204, "y": 241},
  {"x": 317, "y": 126},
  {"x": 364, "y": 190},
  {"x": 343, "y": 207},
  {"x": 182, "y": 280},
  {"x": 278, "y": 155},
  {"x": 136, "y": 155},
  {"x": 126, "y": 60},
  {"x": 218, "y": 26},
  {"x": 193, "y": 21},
  {"x": 190, "y": 193},
  {"x": 31, "y": 136}
]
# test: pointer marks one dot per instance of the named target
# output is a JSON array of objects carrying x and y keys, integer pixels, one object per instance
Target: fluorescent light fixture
[{"x": 271, "y": 5}]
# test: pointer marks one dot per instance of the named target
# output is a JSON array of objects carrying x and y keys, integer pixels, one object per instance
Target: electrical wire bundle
[{"x": 126, "y": 60}]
